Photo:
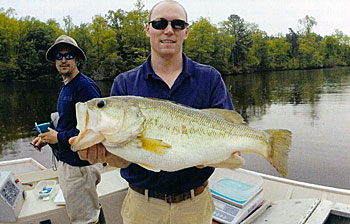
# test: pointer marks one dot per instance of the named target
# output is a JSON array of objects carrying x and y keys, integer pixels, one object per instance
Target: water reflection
[
  {"x": 22, "y": 104},
  {"x": 251, "y": 94},
  {"x": 313, "y": 104}
]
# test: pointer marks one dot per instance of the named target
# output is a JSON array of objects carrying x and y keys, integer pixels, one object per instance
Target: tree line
[{"x": 116, "y": 42}]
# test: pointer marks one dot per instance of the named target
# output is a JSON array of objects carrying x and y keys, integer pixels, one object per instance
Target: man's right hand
[
  {"x": 38, "y": 143},
  {"x": 98, "y": 154}
]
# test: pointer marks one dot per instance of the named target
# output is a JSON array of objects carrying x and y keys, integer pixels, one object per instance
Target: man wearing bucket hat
[{"x": 78, "y": 178}]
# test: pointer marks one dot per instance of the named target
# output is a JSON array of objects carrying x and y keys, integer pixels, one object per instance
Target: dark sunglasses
[
  {"x": 67, "y": 56},
  {"x": 161, "y": 24}
]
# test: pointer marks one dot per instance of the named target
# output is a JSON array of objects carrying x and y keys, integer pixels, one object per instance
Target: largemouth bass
[{"x": 162, "y": 135}]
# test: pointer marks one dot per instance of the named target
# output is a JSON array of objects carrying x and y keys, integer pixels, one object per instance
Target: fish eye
[{"x": 101, "y": 104}]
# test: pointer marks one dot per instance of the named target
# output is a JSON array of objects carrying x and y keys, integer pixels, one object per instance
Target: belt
[{"x": 171, "y": 198}]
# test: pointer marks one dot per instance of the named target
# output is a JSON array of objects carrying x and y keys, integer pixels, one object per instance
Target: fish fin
[
  {"x": 154, "y": 145},
  {"x": 229, "y": 115},
  {"x": 232, "y": 162},
  {"x": 148, "y": 167},
  {"x": 280, "y": 143}
]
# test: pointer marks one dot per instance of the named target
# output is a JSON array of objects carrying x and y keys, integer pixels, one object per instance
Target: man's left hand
[{"x": 49, "y": 137}]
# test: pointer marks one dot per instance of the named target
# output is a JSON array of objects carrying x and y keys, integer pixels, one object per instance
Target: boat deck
[
  {"x": 113, "y": 188},
  {"x": 276, "y": 188}
]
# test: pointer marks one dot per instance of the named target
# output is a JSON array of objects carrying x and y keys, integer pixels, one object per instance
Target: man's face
[
  {"x": 168, "y": 41},
  {"x": 64, "y": 66}
]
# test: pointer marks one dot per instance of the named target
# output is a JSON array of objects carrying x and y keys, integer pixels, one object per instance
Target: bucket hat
[{"x": 64, "y": 39}]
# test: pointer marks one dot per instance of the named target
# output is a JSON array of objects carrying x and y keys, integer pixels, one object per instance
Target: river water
[{"x": 313, "y": 104}]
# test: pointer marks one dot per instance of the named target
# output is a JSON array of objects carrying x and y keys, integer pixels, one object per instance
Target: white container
[
  {"x": 238, "y": 188},
  {"x": 44, "y": 189}
]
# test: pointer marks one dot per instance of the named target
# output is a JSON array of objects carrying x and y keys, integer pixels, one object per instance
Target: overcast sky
[{"x": 272, "y": 16}]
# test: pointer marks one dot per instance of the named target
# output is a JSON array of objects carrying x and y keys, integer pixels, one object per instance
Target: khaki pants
[
  {"x": 78, "y": 185},
  {"x": 138, "y": 209}
]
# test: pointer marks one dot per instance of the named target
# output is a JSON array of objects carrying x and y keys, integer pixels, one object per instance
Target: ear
[
  {"x": 147, "y": 27},
  {"x": 187, "y": 31},
  {"x": 77, "y": 61}
]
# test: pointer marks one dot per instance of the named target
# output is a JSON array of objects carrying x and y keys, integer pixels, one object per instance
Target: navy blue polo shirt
[
  {"x": 199, "y": 86},
  {"x": 80, "y": 89}
]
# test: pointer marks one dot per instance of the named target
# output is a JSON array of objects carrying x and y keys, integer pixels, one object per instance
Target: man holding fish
[
  {"x": 168, "y": 143},
  {"x": 167, "y": 74}
]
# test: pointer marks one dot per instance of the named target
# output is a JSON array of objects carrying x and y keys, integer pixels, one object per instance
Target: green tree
[
  {"x": 310, "y": 52},
  {"x": 344, "y": 42},
  {"x": 335, "y": 49},
  {"x": 219, "y": 56},
  {"x": 36, "y": 37},
  {"x": 68, "y": 25},
  {"x": 9, "y": 41},
  {"x": 243, "y": 41},
  {"x": 116, "y": 20},
  {"x": 104, "y": 56},
  {"x": 257, "y": 59},
  {"x": 82, "y": 35},
  {"x": 133, "y": 38},
  {"x": 308, "y": 22},
  {"x": 278, "y": 53},
  {"x": 97, "y": 29},
  {"x": 224, "y": 43},
  {"x": 117, "y": 42},
  {"x": 236, "y": 28},
  {"x": 310, "y": 47},
  {"x": 200, "y": 42},
  {"x": 293, "y": 38}
]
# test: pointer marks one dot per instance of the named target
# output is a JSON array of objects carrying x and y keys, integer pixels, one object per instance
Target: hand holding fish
[{"x": 98, "y": 154}]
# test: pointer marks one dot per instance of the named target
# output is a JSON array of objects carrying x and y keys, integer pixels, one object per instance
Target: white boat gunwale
[{"x": 113, "y": 188}]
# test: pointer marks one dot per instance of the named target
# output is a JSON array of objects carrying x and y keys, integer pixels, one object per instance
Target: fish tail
[{"x": 280, "y": 142}]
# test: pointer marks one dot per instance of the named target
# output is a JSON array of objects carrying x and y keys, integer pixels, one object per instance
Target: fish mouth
[
  {"x": 82, "y": 116},
  {"x": 86, "y": 137}
]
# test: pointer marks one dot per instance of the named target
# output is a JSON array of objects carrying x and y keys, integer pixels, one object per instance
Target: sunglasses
[
  {"x": 161, "y": 24},
  {"x": 67, "y": 56}
]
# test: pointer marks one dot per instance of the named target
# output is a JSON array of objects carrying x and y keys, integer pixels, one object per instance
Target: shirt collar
[{"x": 187, "y": 70}]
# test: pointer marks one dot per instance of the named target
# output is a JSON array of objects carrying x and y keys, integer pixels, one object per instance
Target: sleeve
[
  {"x": 119, "y": 86},
  {"x": 88, "y": 92},
  {"x": 64, "y": 136},
  {"x": 220, "y": 97},
  {"x": 84, "y": 93}
]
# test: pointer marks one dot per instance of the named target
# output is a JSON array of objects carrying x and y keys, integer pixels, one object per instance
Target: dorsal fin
[{"x": 229, "y": 115}]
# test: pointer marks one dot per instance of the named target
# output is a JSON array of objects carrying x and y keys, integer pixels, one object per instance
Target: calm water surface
[{"x": 313, "y": 104}]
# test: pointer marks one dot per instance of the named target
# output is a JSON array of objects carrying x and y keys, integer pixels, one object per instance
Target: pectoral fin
[
  {"x": 233, "y": 162},
  {"x": 154, "y": 145}
]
